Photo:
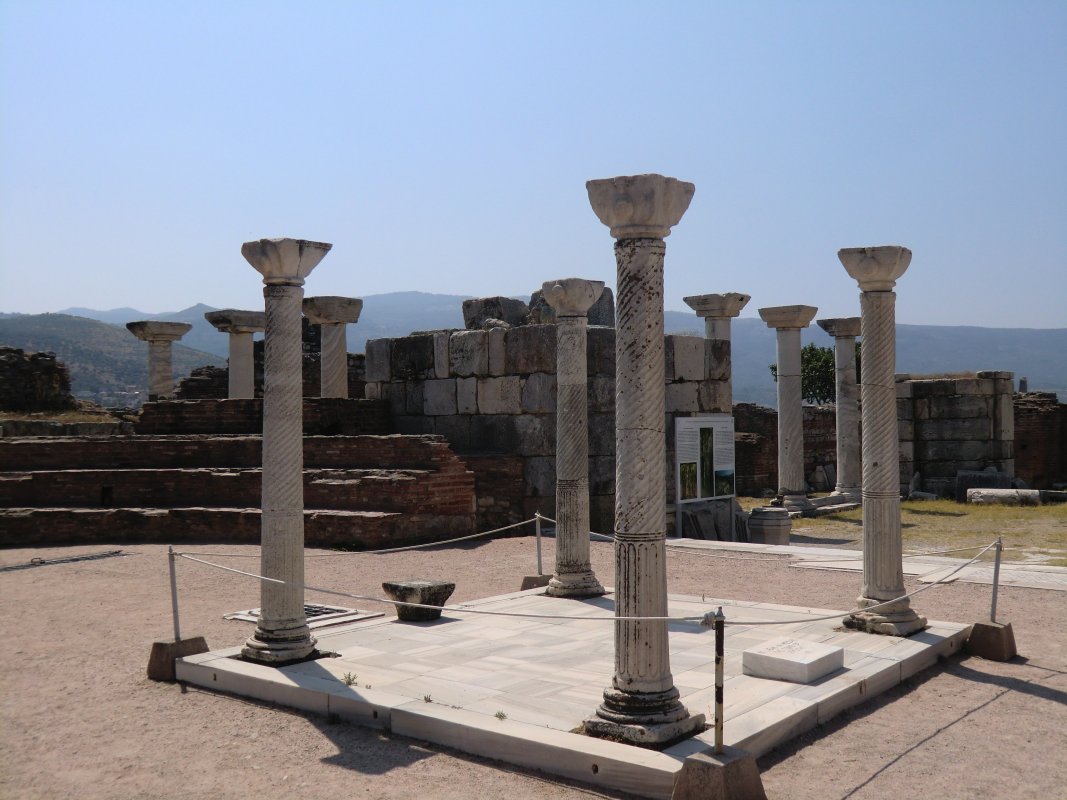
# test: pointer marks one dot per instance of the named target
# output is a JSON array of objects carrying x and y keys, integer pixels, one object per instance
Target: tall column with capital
[
  {"x": 571, "y": 299},
  {"x": 332, "y": 314},
  {"x": 717, "y": 310},
  {"x": 282, "y": 634},
  {"x": 877, "y": 269},
  {"x": 160, "y": 336},
  {"x": 240, "y": 325},
  {"x": 845, "y": 330},
  {"x": 788, "y": 321},
  {"x": 642, "y": 705}
]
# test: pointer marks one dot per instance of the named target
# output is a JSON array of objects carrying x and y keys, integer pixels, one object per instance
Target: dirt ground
[{"x": 78, "y": 717}]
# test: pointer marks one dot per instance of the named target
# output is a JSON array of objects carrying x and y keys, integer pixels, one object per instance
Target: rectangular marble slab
[{"x": 793, "y": 660}]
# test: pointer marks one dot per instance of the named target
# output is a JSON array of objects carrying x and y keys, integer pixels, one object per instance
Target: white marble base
[{"x": 793, "y": 660}]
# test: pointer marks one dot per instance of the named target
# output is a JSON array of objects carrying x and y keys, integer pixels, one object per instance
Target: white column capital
[
  {"x": 158, "y": 331},
  {"x": 232, "y": 320},
  {"x": 876, "y": 269},
  {"x": 329, "y": 310},
  {"x": 284, "y": 260},
  {"x": 572, "y": 297},
  {"x": 717, "y": 306},
  {"x": 840, "y": 327},
  {"x": 785, "y": 317},
  {"x": 640, "y": 206}
]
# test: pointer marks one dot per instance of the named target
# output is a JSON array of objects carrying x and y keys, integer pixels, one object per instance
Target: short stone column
[
  {"x": 571, "y": 299},
  {"x": 282, "y": 634},
  {"x": 877, "y": 269},
  {"x": 241, "y": 368},
  {"x": 717, "y": 310},
  {"x": 788, "y": 321},
  {"x": 332, "y": 315},
  {"x": 642, "y": 705},
  {"x": 159, "y": 336},
  {"x": 849, "y": 466}
]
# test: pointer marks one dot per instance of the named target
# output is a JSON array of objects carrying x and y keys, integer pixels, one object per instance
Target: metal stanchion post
[
  {"x": 996, "y": 580},
  {"x": 537, "y": 532},
  {"x": 720, "y": 630},
  {"x": 174, "y": 593}
]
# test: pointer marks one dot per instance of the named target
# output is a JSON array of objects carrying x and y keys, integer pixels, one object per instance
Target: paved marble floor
[{"x": 515, "y": 687}]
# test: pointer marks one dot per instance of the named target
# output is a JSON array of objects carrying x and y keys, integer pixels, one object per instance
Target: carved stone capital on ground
[
  {"x": 157, "y": 331},
  {"x": 785, "y": 317},
  {"x": 328, "y": 310},
  {"x": 718, "y": 306},
  {"x": 230, "y": 320},
  {"x": 840, "y": 327},
  {"x": 876, "y": 269},
  {"x": 640, "y": 206},
  {"x": 283, "y": 260},
  {"x": 572, "y": 297}
]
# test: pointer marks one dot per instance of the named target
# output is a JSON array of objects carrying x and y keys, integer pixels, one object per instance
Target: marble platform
[{"x": 515, "y": 688}]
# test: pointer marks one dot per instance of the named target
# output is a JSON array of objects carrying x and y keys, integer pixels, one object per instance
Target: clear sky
[{"x": 444, "y": 147}]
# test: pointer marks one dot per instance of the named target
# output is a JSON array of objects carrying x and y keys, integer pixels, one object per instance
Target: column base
[
  {"x": 795, "y": 502},
  {"x": 644, "y": 719},
  {"x": 896, "y": 620},
  {"x": 277, "y": 648},
  {"x": 853, "y": 493},
  {"x": 575, "y": 584}
]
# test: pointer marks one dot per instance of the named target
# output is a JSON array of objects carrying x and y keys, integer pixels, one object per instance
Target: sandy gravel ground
[{"x": 79, "y": 719}]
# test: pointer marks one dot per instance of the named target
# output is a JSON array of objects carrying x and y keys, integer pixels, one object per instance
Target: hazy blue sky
[{"x": 444, "y": 147}]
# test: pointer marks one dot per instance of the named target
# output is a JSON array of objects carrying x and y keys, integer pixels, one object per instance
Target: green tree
[{"x": 817, "y": 383}]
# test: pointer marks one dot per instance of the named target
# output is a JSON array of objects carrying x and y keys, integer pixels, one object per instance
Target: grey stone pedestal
[{"x": 426, "y": 593}]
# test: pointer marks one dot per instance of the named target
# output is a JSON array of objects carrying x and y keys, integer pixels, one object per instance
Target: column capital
[
  {"x": 840, "y": 327},
  {"x": 158, "y": 331},
  {"x": 876, "y": 269},
  {"x": 784, "y": 317},
  {"x": 572, "y": 297},
  {"x": 284, "y": 261},
  {"x": 329, "y": 310},
  {"x": 640, "y": 206},
  {"x": 717, "y": 306},
  {"x": 231, "y": 320}
]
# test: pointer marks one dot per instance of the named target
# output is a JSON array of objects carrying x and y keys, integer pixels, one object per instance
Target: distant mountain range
[{"x": 98, "y": 349}]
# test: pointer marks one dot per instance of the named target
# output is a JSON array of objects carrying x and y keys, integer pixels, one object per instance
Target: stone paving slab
[{"x": 515, "y": 688}]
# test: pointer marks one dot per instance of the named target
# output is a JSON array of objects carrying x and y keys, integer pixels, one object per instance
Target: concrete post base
[
  {"x": 164, "y": 651},
  {"x": 992, "y": 640},
  {"x": 729, "y": 775}
]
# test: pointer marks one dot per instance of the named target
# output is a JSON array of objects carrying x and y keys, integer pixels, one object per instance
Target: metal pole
[
  {"x": 537, "y": 532},
  {"x": 174, "y": 593},
  {"x": 996, "y": 580},
  {"x": 720, "y": 629}
]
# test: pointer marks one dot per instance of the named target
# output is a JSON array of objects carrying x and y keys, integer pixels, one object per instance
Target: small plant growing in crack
[
  {"x": 500, "y": 715},
  {"x": 427, "y": 699},
  {"x": 349, "y": 679},
  {"x": 368, "y": 685}
]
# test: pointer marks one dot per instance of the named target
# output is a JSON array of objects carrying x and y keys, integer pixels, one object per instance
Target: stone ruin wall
[
  {"x": 756, "y": 446},
  {"x": 1040, "y": 439},
  {"x": 33, "y": 382}
]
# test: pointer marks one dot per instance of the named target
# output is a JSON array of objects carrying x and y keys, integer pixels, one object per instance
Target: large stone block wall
[
  {"x": 493, "y": 392},
  {"x": 955, "y": 422},
  {"x": 1040, "y": 439}
]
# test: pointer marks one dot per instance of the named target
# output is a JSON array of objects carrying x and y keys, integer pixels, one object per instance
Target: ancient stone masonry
[
  {"x": 240, "y": 325},
  {"x": 1040, "y": 440},
  {"x": 160, "y": 336},
  {"x": 717, "y": 310},
  {"x": 756, "y": 446},
  {"x": 33, "y": 382}
]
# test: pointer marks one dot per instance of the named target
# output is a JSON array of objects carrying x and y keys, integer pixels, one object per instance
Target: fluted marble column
[
  {"x": 571, "y": 299},
  {"x": 160, "y": 336},
  {"x": 847, "y": 405},
  {"x": 282, "y": 634},
  {"x": 717, "y": 310},
  {"x": 332, "y": 315},
  {"x": 642, "y": 705},
  {"x": 240, "y": 325},
  {"x": 788, "y": 321},
  {"x": 877, "y": 269}
]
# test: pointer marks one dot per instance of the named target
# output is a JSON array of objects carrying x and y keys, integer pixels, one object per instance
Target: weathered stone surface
[
  {"x": 795, "y": 660},
  {"x": 600, "y": 344},
  {"x": 640, "y": 206},
  {"x": 284, "y": 260},
  {"x": 494, "y": 433},
  {"x": 416, "y": 397},
  {"x": 33, "y": 382},
  {"x": 441, "y": 354},
  {"x": 682, "y": 398},
  {"x": 602, "y": 312},
  {"x": 954, "y": 429},
  {"x": 601, "y": 390},
  {"x": 476, "y": 311},
  {"x": 602, "y": 475},
  {"x": 959, "y": 406},
  {"x": 539, "y": 394},
  {"x": 730, "y": 775},
  {"x": 326, "y": 310},
  {"x": 536, "y": 434},
  {"x": 165, "y": 651},
  {"x": 468, "y": 353},
  {"x": 684, "y": 358},
  {"x": 456, "y": 429},
  {"x": 500, "y": 395},
  {"x": 158, "y": 331},
  {"x": 876, "y": 269},
  {"x": 432, "y": 593},
  {"x": 439, "y": 397},
  {"x": 1004, "y": 497},
  {"x": 531, "y": 348},
  {"x": 602, "y": 435},
  {"x": 539, "y": 475},
  {"x": 412, "y": 357},
  {"x": 717, "y": 364},
  {"x": 395, "y": 394},
  {"x": 713, "y": 397},
  {"x": 413, "y": 424},
  {"x": 379, "y": 360},
  {"x": 497, "y": 360},
  {"x": 467, "y": 395},
  {"x": 992, "y": 640}
]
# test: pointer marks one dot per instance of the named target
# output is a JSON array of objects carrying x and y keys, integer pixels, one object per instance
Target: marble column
[
  {"x": 877, "y": 269},
  {"x": 845, "y": 330},
  {"x": 642, "y": 705},
  {"x": 159, "y": 336},
  {"x": 282, "y": 634},
  {"x": 788, "y": 321},
  {"x": 571, "y": 299},
  {"x": 717, "y": 310},
  {"x": 332, "y": 315},
  {"x": 241, "y": 368}
]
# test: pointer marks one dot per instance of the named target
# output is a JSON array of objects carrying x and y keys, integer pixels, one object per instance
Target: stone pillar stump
[
  {"x": 240, "y": 325},
  {"x": 160, "y": 336},
  {"x": 849, "y": 464},
  {"x": 332, "y": 315},
  {"x": 877, "y": 269},
  {"x": 642, "y": 705},
  {"x": 571, "y": 299}
]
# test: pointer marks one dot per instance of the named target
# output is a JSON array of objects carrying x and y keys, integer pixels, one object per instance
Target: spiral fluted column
[
  {"x": 282, "y": 634},
  {"x": 877, "y": 269},
  {"x": 332, "y": 315},
  {"x": 571, "y": 299},
  {"x": 642, "y": 705},
  {"x": 847, "y": 405}
]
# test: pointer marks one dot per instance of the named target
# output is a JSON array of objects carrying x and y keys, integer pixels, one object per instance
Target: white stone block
[{"x": 793, "y": 660}]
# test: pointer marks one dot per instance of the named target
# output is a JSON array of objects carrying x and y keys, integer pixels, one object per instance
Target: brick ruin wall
[
  {"x": 1040, "y": 439},
  {"x": 756, "y": 445},
  {"x": 323, "y": 416},
  {"x": 33, "y": 382}
]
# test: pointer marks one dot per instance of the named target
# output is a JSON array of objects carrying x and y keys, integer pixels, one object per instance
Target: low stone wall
[
  {"x": 1040, "y": 439},
  {"x": 323, "y": 416}
]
